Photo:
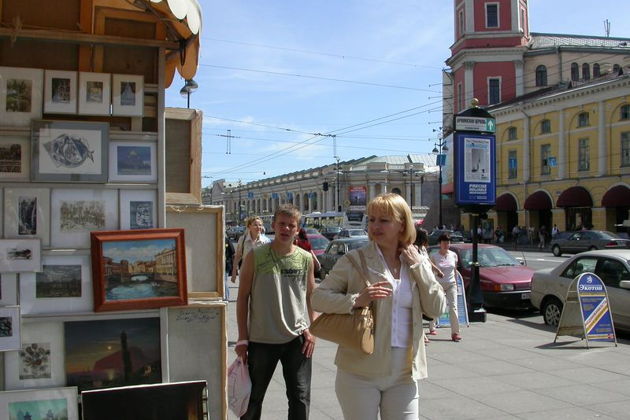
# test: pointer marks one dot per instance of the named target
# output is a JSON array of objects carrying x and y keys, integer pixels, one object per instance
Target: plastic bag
[{"x": 239, "y": 387}]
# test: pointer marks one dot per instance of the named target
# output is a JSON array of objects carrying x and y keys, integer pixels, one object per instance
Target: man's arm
[
  {"x": 242, "y": 303},
  {"x": 309, "y": 339}
]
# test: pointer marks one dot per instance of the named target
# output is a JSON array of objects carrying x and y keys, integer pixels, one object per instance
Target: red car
[
  {"x": 505, "y": 282},
  {"x": 318, "y": 242}
]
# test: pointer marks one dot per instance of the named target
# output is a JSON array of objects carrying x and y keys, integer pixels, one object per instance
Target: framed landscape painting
[
  {"x": 10, "y": 329},
  {"x": 95, "y": 93},
  {"x": 20, "y": 95},
  {"x": 69, "y": 151},
  {"x": 138, "y": 269},
  {"x": 60, "y": 92},
  {"x": 20, "y": 255},
  {"x": 132, "y": 162},
  {"x": 27, "y": 213},
  {"x": 138, "y": 209},
  {"x": 128, "y": 95},
  {"x": 52, "y": 403},
  {"x": 15, "y": 159}
]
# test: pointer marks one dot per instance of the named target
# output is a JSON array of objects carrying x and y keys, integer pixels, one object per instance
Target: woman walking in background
[
  {"x": 422, "y": 242},
  {"x": 446, "y": 260},
  {"x": 252, "y": 238}
]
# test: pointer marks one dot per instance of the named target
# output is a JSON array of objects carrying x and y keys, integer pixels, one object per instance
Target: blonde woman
[
  {"x": 252, "y": 238},
  {"x": 402, "y": 288}
]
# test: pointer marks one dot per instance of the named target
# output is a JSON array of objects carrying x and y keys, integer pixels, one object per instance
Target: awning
[
  {"x": 506, "y": 202},
  {"x": 538, "y": 201},
  {"x": 575, "y": 197},
  {"x": 618, "y": 196}
]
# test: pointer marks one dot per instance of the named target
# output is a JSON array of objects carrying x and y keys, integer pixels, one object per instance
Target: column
[
  {"x": 602, "y": 146},
  {"x": 562, "y": 160},
  {"x": 518, "y": 70},
  {"x": 408, "y": 191},
  {"x": 371, "y": 191},
  {"x": 310, "y": 202},
  {"x": 526, "y": 151},
  {"x": 469, "y": 85},
  {"x": 330, "y": 200}
]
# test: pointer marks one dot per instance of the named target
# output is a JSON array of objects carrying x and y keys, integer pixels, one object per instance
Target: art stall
[{"x": 111, "y": 269}]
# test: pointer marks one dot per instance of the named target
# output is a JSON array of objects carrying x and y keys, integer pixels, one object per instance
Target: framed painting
[
  {"x": 76, "y": 212},
  {"x": 63, "y": 286},
  {"x": 15, "y": 158},
  {"x": 8, "y": 289},
  {"x": 198, "y": 330},
  {"x": 204, "y": 247},
  {"x": 60, "y": 92},
  {"x": 183, "y": 155},
  {"x": 128, "y": 95},
  {"x": 138, "y": 269},
  {"x": 10, "y": 329},
  {"x": 132, "y": 355},
  {"x": 138, "y": 209},
  {"x": 27, "y": 213},
  {"x": 51, "y": 403},
  {"x": 69, "y": 151},
  {"x": 95, "y": 93},
  {"x": 132, "y": 162},
  {"x": 20, "y": 95},
  {"x": 20, "y": 255},
  {"x": 39, "y": 363}
]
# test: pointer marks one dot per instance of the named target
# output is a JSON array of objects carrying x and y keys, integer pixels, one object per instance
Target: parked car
[
  {"x": 349, "y": 233},
  {"x": 504, "y": 281},
  {"x": 311, "y": 231},
  {"x": 336, "y": 249},
  {"x": 550, "y": 285},
  {"x": 587, "y": 240},
  {"x": 456, "y": 237},
  {"x": 330, "y": 231},
  {"x": 319, "y": 243},
  {"x": 233, "y": 232}
]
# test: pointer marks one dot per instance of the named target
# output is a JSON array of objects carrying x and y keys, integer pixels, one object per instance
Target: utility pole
[{"x": 334, "y": 137}]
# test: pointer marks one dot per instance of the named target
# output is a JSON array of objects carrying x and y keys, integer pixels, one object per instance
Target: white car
[{"x": 550, "y": 285}]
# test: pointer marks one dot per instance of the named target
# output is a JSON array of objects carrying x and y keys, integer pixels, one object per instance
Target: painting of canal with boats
[{"x": 140, "y": 269}]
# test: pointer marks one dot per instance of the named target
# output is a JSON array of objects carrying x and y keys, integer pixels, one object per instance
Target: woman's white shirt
[{"x": 447, "y": 264}]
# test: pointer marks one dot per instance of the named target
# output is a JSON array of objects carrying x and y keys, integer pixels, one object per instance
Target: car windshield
[
  {"x": 489, "y": 257},
  {"x": 318, "y": 242},
  {"x": 604, "y": 234},
  {"x": 357, "y": 244}
]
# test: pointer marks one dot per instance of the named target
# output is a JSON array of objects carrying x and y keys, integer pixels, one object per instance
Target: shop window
[
  {"x": 512, "y": 165},
  {"x": 575, "y": 72},
  {"x": 492, "y": 15},
  {"x": 545, "y": 127},
  {"x": 541, "y": 76},
  {"x": 512, "y": 133},
  {"x": 584, "y": 155},
  {"x": 545, "y": 154},
  {"x": 624, "y": 113},
  {"x": 625, "y": 148},
  {"x": 583, "y": 120},
  {"x": 494, "y": 91},
  {"x": 586, "y": 71},
  {"x": 596, "y": 70}
]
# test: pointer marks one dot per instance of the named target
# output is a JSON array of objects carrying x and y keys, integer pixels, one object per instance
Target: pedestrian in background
[
  {"x": 554, "y": 231},
  {"x": 542, "y": 237},
  {"x": 303, "y": 242},
  {"x": 422, "y": 242},
  {"x": 446, "y": 260},
  {"x": 253, "y": 237},
  {"x": 402, "y": 288}
]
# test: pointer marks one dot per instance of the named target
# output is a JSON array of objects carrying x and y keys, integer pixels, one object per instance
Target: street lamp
[
  {"x": 189, "y": 87},
  {"x": 439, "y": 149}
]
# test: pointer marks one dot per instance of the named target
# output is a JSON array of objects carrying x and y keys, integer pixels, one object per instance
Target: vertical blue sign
[
  {"x": 593, "y": 298},
  {"x": 462, "y": 309},
  {"x": 475, "y": 169}
]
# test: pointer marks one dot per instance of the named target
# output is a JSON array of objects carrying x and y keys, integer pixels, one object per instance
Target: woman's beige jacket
[{"x": 337, "y": 293}]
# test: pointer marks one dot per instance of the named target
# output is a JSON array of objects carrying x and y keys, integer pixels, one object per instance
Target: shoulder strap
[
  {"x": 241, "y": 244},
  {"x": 362, "y": 270}
]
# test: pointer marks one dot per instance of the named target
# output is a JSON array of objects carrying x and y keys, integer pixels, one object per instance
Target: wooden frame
[
  {"x": 21, "y": 92},
  {"x": 15, "y": 154},
  {"x": 127, "y": 95},
  {"x": 39, "y": 401},
  {"x": 27, "y": 213},
  {"x": 95, "y": 93},
  {"x": 60, "y": 92},
  {"x": 205, "y": 248},
  {"x": 183, "y": 155},
  {"x": 129, "y": 265},
  {"x": 69, "y": 151}
]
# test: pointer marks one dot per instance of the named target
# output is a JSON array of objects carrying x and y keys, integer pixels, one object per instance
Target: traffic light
[{"x": 325, "y": 186}]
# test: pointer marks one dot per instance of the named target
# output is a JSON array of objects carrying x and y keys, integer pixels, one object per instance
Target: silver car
[
  {"x": 550, "y": 285},
  {"x": 587, "y": 240}
]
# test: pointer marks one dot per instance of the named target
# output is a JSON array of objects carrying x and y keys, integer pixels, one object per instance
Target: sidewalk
[{"x": 505, "y": 368}]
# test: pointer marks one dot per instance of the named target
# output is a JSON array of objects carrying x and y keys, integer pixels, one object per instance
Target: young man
[{"x": 273, "y": 312}]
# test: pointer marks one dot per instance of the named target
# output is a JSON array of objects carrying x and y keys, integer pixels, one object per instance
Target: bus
[{"x": 349, "y": 219}]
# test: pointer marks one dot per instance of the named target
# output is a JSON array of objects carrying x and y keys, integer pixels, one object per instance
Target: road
[{"x": 539, "y": 259}]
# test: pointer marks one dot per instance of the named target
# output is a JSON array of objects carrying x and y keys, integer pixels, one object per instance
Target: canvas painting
[
  {"x": 138, "y": 209},
  {"x": 36, "y": 404},
  {"x": 20, "y": 255},
  {"x": 94, "y": 93},
  {"x": 132, "y": 161},
  {"x": 20, "y": 95},
  {"x": 112, "y": 353},
  {"x": 27, "y": 213},
  {"x": 14, "y": 158},
  {"x": 58, "y": 281},
  {"x": 60, "y": 95},
  {"x": 35, "y": 361}
]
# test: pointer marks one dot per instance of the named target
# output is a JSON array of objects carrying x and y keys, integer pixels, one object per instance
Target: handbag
[
  {"x": 354, "y": 330},
  {"x": 239, "y": 387}
]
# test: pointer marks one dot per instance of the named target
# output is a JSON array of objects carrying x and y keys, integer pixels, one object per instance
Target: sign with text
[
  {"x": 462, "y": 309},
  {"x": 480, "y": 124},
  {"x": 475, "y": 169}
]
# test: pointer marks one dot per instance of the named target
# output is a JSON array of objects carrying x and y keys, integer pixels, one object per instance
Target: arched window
[
  {"x": 541, "y": 76},
  {"x": 512, "y": 133},
  {"x": 624, "y": 112},
  {"x": 575, "y": 72},
  {"x": 596, "y": 71},
  {"x": 586, "y": 71},
  {"x": 583, "y": 120},
  {"x": 397, "y": 191},
  {"x": 545, "y": 126}
]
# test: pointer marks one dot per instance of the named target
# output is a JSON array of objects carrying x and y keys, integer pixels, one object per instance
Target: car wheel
[
  {"x": 551, "y": 310},
  {"x": 556, "y": 250}
]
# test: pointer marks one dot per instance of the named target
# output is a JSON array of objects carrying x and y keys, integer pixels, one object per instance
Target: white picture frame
[
  {"x": 8, "y": 288},
  {"x": 66, "y": 232},
  {"x": 95, "y": 93},
  {"x": 127, "y": 95},
  {"x": 138, "y": 209},
  {"x": 21, "y": 95},
  {"x": 132, "y": 161},
  {"x": 27, "y": 213},
  {"x": 48, "y": 368},
  {"x": 42, "y": 400},
  {"x": 20, "y": 255},
  {"x": 71, "y": 274},
  {"x": 15, "y": 158},
  {"x": 10, "y": 329},
  {"x": 60, "y": 92}
]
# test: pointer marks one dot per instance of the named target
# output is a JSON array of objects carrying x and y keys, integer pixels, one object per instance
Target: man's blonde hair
[
  {"x": 288, "y": 210},
  {"x": 393, "y": 205}
]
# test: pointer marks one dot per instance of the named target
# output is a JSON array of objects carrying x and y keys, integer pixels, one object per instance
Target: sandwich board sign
[
  {"x": 462, "y": 309},
  {"x": 586, "y": 312}
]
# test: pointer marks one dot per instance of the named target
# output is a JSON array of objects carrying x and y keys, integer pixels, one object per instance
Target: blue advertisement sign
[
  {"x": 462, "y": 309},
  {"x": 593, "y": 298},
  {"x": 475, "y": 169}
]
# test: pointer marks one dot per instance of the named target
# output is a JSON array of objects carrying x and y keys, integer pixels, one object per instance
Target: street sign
[
  {"x": 462, "y": 309},
  {"x": 475, "y": 169},
  {"x": 479, "y": 124}
]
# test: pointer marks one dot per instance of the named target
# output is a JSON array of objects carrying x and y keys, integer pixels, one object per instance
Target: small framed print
[
  {"x": 69, "y": 151},
  {"x": 95, "y": 93},
  {"x": 76, "y": 212},
  {"x": 138, "y": 209},
  {"x": 20, "y": 255},
  {"x": 8, "y": 289},
  {"x": 27, "y": 213},
  {"x": 10, "y": 329},
  {"x": 20, "y": 95},
  {"x": 15, "y": 158},
  {"x": 60, "y": 94},
  {"x": 49, "y": 403},
  {"x": 40, "y": 361},
  {"x": 63, "y": 286},
  {"x": 132, "y": 161},
  {"x": 128, "y": 95}
]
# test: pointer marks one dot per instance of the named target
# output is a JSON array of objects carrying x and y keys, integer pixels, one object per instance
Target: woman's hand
[
  {"x": 379, "y": 290},
  {"x": 410, "y": 255}
]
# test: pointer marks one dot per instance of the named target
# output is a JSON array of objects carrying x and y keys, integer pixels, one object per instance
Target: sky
[{"x": 284, "y": 76}]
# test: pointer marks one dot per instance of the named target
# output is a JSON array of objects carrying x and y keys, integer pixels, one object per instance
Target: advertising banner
[
  {"x": 475, "y": 176},
  {"x": 357, "y": 196},
  {"x": 593, "y": 298},
  {"x": 462, "y": 309}
]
